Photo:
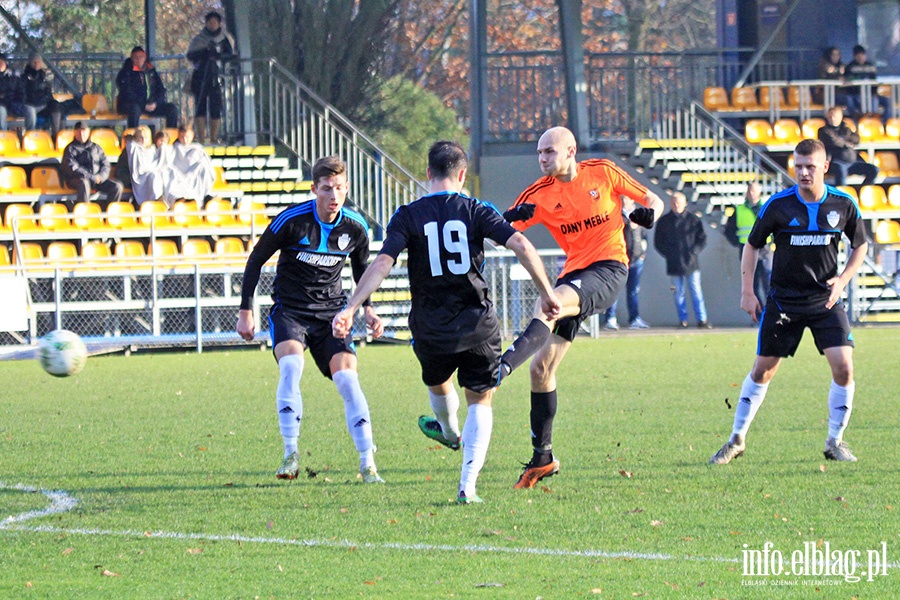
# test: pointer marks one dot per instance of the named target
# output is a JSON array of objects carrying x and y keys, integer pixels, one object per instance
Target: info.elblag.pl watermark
[{"x": 816, "y": 563}]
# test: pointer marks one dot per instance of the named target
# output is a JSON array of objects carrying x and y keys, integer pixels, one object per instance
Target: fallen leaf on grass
[
  {"x": 68, "y": 551},
  {"x": 343, "y": 510},
  {"x": 626, "y": 474},
  {"x": 229, "y": 484},
  {"x": 687, "y": 538},
  {"x": 638, "y": 594},
  {"x": 28, "y": 584},
  {"x": 822, "y": 468},
  {"x": 596, "y": 591},
  {"x": 546, "y": 490},
  {"x": 489, "y": 584},
  {"x": 839, "y": 499},
  {"x": 657, "y": 523},
  {"x": 108, "y": 573},
  {"x": 392, "y": 521},
  {"x": 280, "y": 569},
  {"x": 369, "y": 582},
  {"x": 194, "y": 550},
  {"x": 636, "y": 511},
  {"x": 889, "y": 507},
  {"x": 202, "y": 448},
  {"x": 674, "y": 586}
]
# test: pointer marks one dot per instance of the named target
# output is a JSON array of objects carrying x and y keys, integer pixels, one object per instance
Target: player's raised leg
[{"x": 444, "y": 426}]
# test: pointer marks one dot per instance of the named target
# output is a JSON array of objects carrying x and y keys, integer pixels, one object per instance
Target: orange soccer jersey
[{"x": 584, "y": 215}]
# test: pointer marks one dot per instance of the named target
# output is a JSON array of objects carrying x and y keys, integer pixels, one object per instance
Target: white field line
[{"x": 60, "y": 502}]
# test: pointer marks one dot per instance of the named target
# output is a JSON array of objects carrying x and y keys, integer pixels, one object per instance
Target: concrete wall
[{"x": 504, "y": 177}]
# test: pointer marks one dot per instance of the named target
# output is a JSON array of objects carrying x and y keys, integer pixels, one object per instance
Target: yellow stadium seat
[
  {"x": 39, "y": 144},
  {"x": 887, "y": 163},
  {"x": 887, "y": 232},
  {"x": 5, "y": 260},
  {"x": 163, "y": 247},
  {"x": 93, "y": 252},
  {"x": 811, "y": 127},
  {"x": 108, "y": 140},
  {"x": 794, "y": 95},
  {"x": 25, "y": 222},
  {"x": 61, "y": 254},
  {"x": 9, "y": 144},
  {"x": 766, "y": 94},
  {"x": 744, "y": 98},
  {"x": 87, "y": 216},
  {"x": 196, "y": 248},
  {"x": 894, "y": 197},
  {"x": 64, "y": 138},
  {"x": 54, "y": 217},
  {"x": 13, "y": 181},
  {"x": 32, "y": 254},
  {"x": 217, "y": 210},
  {"x": 182, "y": 216},
  {"x": 95, "y": 104},
  {"x": 715, "y": 99},
  {"x": 870, "y": 129},
  {"x": 250, "y": 212},
  {"x": 758, "y": 131},
  {"x": 229, "y": 245},
  {"x": 155, "y": 212},
  {"x": 129, "y": 250},
  {"x": 872, "y": 198},
  {"x": 221, "y": 185},
  {"x": 47, "y": 180},
  {"x": 892, "y": 129},
  {"x": 787, "y": 131},
  {"x": 121, "y": 215}
]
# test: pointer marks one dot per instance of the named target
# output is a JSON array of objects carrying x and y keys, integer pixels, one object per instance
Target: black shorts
[
  {"x": 781, "y": 328},
  {"x": 598, "y": 286},
  {"x": 315, "y": 334},
  {"x": 477, "y": 368}
]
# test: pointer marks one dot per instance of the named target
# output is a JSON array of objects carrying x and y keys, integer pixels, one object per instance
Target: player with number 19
[{"x": 452, "y": 320}]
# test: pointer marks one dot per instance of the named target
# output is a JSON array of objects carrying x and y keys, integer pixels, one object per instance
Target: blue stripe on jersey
[
  {"x": 812, "y": 211},
  {"x": 289, "y": 213},
  {"x": 843, "y": 194},
  {"x": 355, "y": 216},
  {"x": 789, "y": 191},
  {"x": 488, "y": 204}
]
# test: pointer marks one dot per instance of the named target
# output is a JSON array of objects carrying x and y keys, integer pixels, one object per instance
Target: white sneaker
[
  {"x": 612, "y": 324},
  {"x": 838, "y": 450},
  {"x": 638, "y": 323}
]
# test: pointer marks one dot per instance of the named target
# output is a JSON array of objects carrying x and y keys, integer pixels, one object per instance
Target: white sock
[
  {"x": 288, "y": 400},
  {"x": 476, "y": 438},
  {"x": 445, "y": 409},
  {"x": 356, "y": 412},
  {"x": 752, "y": 396},
  {"x": 840, "y": 405}
]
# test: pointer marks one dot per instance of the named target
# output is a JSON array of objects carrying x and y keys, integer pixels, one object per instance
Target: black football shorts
[
  {"x": 314, "y": 334},
  {"x": 598, "y": 286},
  {"x": 781, "y": 328}
]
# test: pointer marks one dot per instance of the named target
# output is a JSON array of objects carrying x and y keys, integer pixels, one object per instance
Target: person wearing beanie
[
  {"x": 141, "y": 91},
  {"x": 209, "y": 52}
]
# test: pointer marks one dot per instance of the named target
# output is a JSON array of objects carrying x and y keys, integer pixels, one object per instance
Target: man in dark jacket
[
  {"x": 840, "y": 147},
  {"x": 12, "y": 92},
  {"x": 85, "y": 168},
  {"x": 209, "y": 52},
  {"x": 141, "y": 91},
  {"x": 39, "y": 101},
  {"x": 680, "y": 238}
]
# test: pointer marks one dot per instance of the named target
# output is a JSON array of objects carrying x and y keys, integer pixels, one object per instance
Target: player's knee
[
  {"x": 290, "y": 366},
  {"x": 540, "y": 371},
  {"x": 842, "y": 374}
]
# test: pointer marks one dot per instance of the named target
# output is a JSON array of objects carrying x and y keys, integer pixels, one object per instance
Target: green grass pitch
[{"x": 152, "y": 476}]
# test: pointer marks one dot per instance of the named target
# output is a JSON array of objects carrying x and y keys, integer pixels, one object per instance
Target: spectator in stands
[
  {"x": 12, "y": 92},
  {"x": 840, "y": 145},
  {"x": 861, "y": 69},
  {"x": 737, "y": 230},
  {"x": 636, "y": 248},
  {"x": 148, "y": 167},
  {"x": 123, "y": 170},
  {"x": 680, "y": 238},
  {"x": 832, "y": 67},
  {"x": 195, "y": 168},
  {"x": 85, "y": 168},
  {"x": 141, "y": 91},
  {"x": 39, "y": 100},
  {"x": 209, "y": 51}
]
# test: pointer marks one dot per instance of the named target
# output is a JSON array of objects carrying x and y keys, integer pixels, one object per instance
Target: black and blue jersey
[
  {"x": 313, "y": 253},
  {"x": 444, "y": 234},
  {"x": 806, "y": 236}
]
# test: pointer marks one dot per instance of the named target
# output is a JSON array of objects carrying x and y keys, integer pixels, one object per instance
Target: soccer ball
[{"x": 62, "y": 353}]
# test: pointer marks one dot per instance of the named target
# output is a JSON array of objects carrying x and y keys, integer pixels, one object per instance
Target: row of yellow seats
[
  {"x": 40, "y": 144},
  {"x": 716, "y": 98},
  {"x": 887, "y": 232},
  {"x": 789, "y": 131},
  {"x": 88, "y": 216},
  {"x": 62, "y": 253},
  {"x": 874, "y": 197}
]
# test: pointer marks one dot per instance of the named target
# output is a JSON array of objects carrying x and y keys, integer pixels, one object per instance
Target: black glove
[
  {"x": 642, "y": 216},
  {"x": 522, "y": 212}
]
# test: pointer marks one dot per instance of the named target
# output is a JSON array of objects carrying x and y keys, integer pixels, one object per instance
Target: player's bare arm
[
  {"x": 368, "y": 283},
  {"x": 837, "y": 284},
  {"x": 246, "y": 327},
  {"x": 528, "y": 257},
  {"x": 749, "y": 302},
  {"x": 373, "y": 321}
]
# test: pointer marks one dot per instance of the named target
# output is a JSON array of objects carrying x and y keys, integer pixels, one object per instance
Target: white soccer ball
[{"x": 62, "y": 353}]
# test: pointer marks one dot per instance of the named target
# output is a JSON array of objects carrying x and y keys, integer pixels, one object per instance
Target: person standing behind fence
[
  {"x": 636, "y": 248},
  {"x": 737, "y": 230},
  {"x": 39, "y": 100},
  {"x": 680, "y": 238},
  {"x": 12, "y": 92},
  {"x": 86, "y": 168},
  {"x": 141, "y": 91},
  {"x": 209, "y": 51}
]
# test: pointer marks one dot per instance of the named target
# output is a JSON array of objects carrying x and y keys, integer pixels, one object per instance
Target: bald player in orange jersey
[{"x": 581, "y": 205}]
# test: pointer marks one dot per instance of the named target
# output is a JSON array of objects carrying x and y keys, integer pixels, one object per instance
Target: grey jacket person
[{"x": 85, "y": 160}]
